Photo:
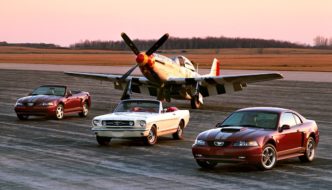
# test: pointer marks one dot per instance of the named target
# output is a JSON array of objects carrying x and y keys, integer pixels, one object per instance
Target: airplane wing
[
  {"x": 214, "y": 85},
  {"x": 139, "y": 84}
]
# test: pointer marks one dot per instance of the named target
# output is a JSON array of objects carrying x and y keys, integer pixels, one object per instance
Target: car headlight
[
  {"x": 131, "y": 123},
  {"x": 142, "y": 123},
  {"x": 47, "y": 104},
  {"x": 200, "y": 142},
  {"x": 97, "y": 122},
  {"x": 245, "y": 143},
  {"x": 19, "y": 103}
]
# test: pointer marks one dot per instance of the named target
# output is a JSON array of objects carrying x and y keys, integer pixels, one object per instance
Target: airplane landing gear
[
  {"x": 197, "y": 98},
  {"x": 127, "y": 91},
  {"x": 195, "y": 103}
]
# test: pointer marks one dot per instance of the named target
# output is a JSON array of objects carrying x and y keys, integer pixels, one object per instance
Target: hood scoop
[{"x": 231, "y": 129}]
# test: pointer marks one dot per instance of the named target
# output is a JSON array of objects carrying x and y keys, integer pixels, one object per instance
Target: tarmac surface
[{"x": 43, "y": 153}]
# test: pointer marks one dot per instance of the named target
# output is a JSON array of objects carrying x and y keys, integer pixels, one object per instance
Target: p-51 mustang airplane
[{"x": 176, "y": 78}]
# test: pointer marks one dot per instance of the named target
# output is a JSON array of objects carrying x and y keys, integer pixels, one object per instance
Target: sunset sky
[{"x": 65, "y": 22}]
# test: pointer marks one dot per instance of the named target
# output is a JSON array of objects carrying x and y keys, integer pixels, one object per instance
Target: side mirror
[
  {"x": 164, "y": 110},
  {"x": 284, "y": 127},
  {"x": 30, "y": 94},
  {"x": 69, "y": 94}
]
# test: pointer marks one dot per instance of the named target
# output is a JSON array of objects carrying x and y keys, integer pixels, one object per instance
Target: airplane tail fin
[{"x": 215, "y": 69}]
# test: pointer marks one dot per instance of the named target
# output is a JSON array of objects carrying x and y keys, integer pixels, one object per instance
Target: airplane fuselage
[{"x": 164, "y": 68}]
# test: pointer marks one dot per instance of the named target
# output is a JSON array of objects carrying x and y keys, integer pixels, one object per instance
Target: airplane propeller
[
  {"x": 141, "y": 56},
  {"x": 157, "y": 45}
]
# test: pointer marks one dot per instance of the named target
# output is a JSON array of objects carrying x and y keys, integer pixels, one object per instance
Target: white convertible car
[{"x": 146, "y": 119}]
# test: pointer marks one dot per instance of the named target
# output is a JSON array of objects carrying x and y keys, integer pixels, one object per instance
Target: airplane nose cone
[{"x": 141, "y": 58}]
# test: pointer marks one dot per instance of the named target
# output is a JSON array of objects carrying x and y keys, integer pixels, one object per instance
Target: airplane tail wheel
[{"x": 195, "y": 103}]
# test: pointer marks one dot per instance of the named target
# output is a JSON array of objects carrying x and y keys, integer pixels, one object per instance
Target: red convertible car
[
  {"x": 53, "y": 100},
  {"x": 260, "y": 136}
]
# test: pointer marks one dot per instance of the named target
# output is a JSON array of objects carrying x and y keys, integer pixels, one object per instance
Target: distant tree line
[
  {"x": 190, "y": 43},
  {"x": 32, "y": 45},
  {"x": 323, "y": 42}
]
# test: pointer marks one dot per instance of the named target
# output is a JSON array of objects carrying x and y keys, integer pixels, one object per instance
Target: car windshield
[
  {"x": 138, "y": 106},
  {"x": 50, "y": 90},
  {"x": 258, "y": 119}
]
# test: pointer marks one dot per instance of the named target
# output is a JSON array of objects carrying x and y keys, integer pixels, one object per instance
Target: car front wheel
[
  {"x": 59, "y": 112},
  {"x": 269, "y": 157},
  {"x": 206, "y": 164},
  {"x": 309, "y": 154},
  {"x": 151, "y": 139},
  {"x": 103, "y": 141},
  {"x": 22, "y": 117}
]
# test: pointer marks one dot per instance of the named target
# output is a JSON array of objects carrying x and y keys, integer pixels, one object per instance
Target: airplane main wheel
[{"x": 195, "y": 103}]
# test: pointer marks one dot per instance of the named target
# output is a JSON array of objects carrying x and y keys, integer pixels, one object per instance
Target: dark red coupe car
[
  {"x": 260, "y": 136},
  {"x": 54, "y": 101}
]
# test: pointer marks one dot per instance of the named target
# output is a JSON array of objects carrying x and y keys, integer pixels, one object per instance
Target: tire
[
  {"x": 22, "y": 117},
  {"x": 269, "y": 157},
  {"x": 195, "y": 103},
  {"x": 103, "y": 141},
  {"x": 206, "y": 164},
  {"x": 309, "y": 154},
  {"x": 151, "y": 139},
  {"x": 85, "y": 110},
  {"x": 178, "y": 135},
  {"x": 59, "y": 112}
]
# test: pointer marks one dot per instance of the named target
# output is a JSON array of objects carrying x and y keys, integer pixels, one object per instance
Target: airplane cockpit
[{"x": 184, "y": 62}]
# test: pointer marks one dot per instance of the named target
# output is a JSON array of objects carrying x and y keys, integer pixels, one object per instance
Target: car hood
[
  {"x": 38, "y": 99},
  {"x": 233, "y": 133},
  {"x": 126, "y": 116}
]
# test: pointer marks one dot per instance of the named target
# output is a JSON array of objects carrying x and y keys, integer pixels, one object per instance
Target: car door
[
  {"x": 168, "y": 122},
  {"x": 289, "y": 139},
  {"x": 72, "y": 102}
]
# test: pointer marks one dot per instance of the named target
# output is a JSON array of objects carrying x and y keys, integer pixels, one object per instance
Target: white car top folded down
[{"x": 140, "y": 118}]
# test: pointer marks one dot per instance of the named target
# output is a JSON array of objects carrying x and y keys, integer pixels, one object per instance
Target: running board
[{"x": 290, "y": 156}]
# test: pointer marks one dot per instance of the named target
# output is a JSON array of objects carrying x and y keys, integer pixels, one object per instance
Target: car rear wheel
[
  {"x": 309, "y": 154},
  {"x": 179, "y": 133},
  {"x": 151, "y": 139},
  {"x": 85, "y": 110},
  {"x": 206, "y": 164},
  {"x": 103, "y": 141},
  {"x": 22, "y": 117},
  {"x": 269, "y": 157},
  {"x": 59, "y": 112}
]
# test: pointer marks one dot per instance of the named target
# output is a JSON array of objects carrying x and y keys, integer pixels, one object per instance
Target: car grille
[
  {"x": 117, "y": 123},
  {"x": 218, "y": 143}
]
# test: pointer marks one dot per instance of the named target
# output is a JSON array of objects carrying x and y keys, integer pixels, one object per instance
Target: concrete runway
[{"x": 49, "y": 154}]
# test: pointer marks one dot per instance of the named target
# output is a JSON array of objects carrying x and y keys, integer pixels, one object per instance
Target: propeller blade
[
  {"x": 128, "y": 72},
  {"x": 157, "y": 45},
  {"x": 130, "y": 43}
]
